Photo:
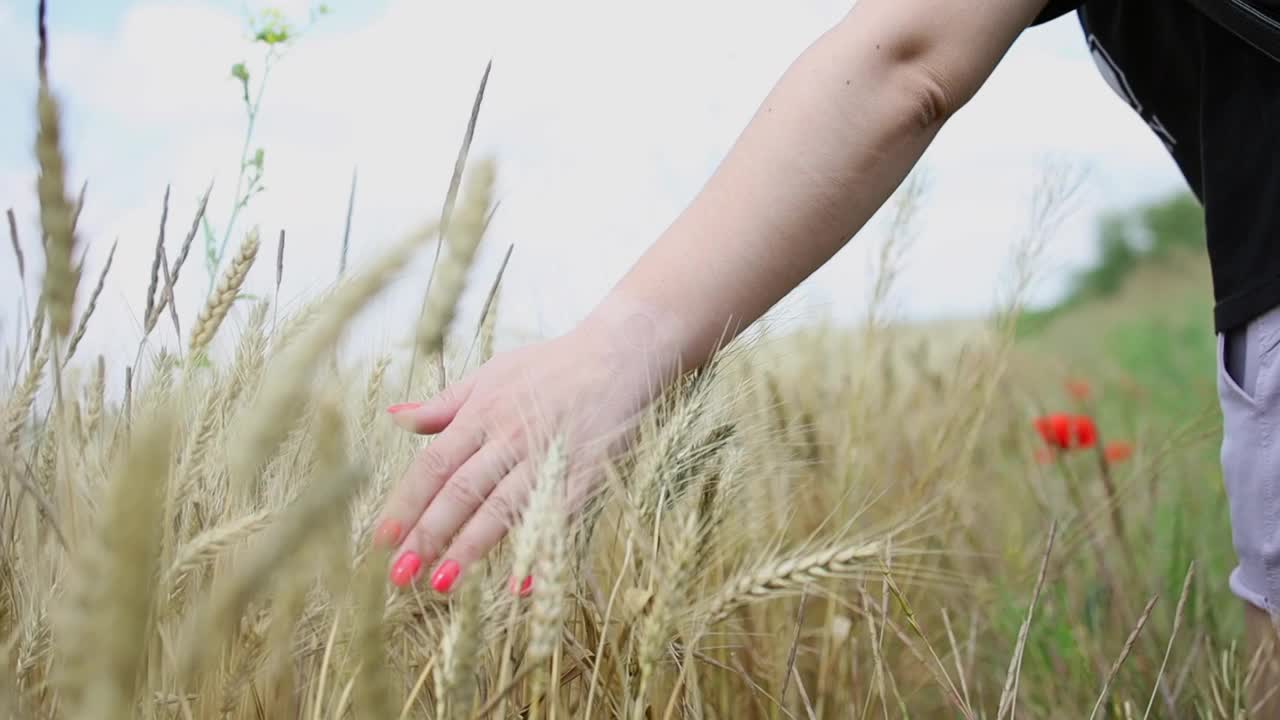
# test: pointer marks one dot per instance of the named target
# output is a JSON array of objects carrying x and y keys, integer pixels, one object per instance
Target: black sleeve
[{"x": 1056, "y": 9}]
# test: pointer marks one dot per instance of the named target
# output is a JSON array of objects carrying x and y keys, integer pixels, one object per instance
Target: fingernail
[
  {"x": 388, "y": 535},
  {"x": 444, "y": 577},
  {"x": 406, "y": 569},
  {"x": 525, "y": 588},
  {"x": 401, "y": 407}
]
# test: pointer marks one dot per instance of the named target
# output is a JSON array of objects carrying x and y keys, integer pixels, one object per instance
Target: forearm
[{"x": 827, "y": 147}]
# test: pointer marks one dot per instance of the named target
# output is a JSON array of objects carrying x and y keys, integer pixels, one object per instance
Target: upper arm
[{"x": 946, "y": 48}]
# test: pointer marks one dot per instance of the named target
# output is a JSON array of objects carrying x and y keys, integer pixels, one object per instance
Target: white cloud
[{"x": 605, "y": 120}]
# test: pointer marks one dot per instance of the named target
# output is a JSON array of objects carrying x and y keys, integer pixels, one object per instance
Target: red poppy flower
[
  {"x": 1118, "y": 451},
  {"x": 1056, "y": 430},
  {"x": 1079, "y": 389},
  {"x": 1085, "y": 431}
]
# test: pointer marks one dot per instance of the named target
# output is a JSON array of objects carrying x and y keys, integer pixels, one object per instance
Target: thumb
[{"x": 434, "y": 415}]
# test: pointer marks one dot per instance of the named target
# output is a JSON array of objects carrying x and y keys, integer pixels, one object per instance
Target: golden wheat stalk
[
  {"x": 219, "y": 303},
  {"x": 373, "y": 698},
  {"x": 166, "y": 297},
  {"x": 459, "y": 650},
  {"x": 83, "y": 324},
  {"x": 61, "y": 277},
  {"x": 465, "y": 231},
  {"x": 23, "y": 398},
  {"x": 125, "y": 558},
  {"x": 157, "y": 258},
  {"x": 212, "y": 543},
  {"x": 791, "y": 575},
  {"x": 318, "y": 505},
  {"x": 286, "y": 382},
  {"x": 549, "y": 521}
]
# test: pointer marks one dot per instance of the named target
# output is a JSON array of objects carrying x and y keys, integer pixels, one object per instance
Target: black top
[{"x": 1215, "y": 103}]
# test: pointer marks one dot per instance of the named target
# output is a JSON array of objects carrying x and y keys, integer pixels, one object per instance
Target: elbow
[
  {"x": 930, "y": 98},
  {"x": 928, "y": 85}
]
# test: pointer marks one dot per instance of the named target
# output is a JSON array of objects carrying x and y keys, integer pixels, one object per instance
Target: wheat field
[{"x": 821, "y": 523}]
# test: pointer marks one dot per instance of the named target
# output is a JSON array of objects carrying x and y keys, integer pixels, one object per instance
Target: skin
[
  {"x": 828, "y": 146},
  {"x": 830, "y": 143}
]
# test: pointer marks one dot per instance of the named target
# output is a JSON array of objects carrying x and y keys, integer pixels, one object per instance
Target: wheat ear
[
  {"x": 548, "y": 521},
  {"x": 789, "y": 576},
  {"x": 17, "y": 245},
  {"x": 96, "y": 398},
  {"x": 464, "y": 235},
  {"x": 229, "y": 598},
  {"x": 459, "y": 651},
  {"x": 285, "y": 386},
  {"x": 156, "y": 260},
  {"x": 373, "y": 697},
  {"x": 126, "y": 555},
  {"x": 212, "y": 543},
  {"x": 23, "y": 398},
  {"x": 219, "y": 303},
  {"x": 83, "y": 324},
  {"x": 61, "y": 277},
  {"x": 166, "y": 297}
]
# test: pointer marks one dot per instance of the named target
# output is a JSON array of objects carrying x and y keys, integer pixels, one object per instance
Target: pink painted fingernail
[
  {"x": 401, "y": 407},
  {"x": 406, "y": 569},
  {"x": 388, "y": 534},
  {"x": 445, "y": 576}
]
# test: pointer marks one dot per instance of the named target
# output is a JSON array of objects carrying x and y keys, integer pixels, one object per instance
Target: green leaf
[
  {"x": 210, "y": 246},
  {"x": 258, "y": 156}
]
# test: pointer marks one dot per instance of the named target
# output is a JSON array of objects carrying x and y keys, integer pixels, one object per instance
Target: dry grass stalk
[
  {"x": 219, "y": 303},
  {"x": 171, "y": 280},
  {"x": 1124, "y": 654},
  {"x": 17, "y": 245},
  {"x": 279, "y": 263},
  {"x": 446, "y": 214},
  {"x": 61, "y": 277},
  {"x": 1009, "y": 696},
  {"x": 83, "y": 324},
  {"x": 936, "y": 667},
  {"x": 1173, "y": 635},
  {"x": 485, "y": 331},
  {"x": 166, "y": 295},
  {"x": 156, "y": 259}
]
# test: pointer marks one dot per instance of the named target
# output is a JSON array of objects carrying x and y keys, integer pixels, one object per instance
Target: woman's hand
[{"x": 467, "y": 487}]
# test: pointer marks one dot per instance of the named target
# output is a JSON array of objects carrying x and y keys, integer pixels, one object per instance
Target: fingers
[
  {"x": 434, "y": 415},
  {"x": 458, "y": 499},
  {"x": 485, "y": 528},
  {"x": 431, "y": 467}
]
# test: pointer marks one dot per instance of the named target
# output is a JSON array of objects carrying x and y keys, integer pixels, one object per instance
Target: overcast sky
[{"x": 605, "y": 119}]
